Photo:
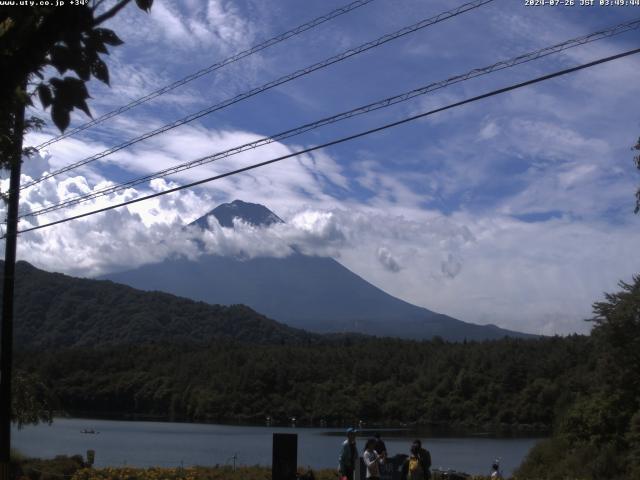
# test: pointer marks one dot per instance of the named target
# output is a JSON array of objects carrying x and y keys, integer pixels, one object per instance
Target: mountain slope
[
  {"x": 312, "y": 293},
  {"x": 252, "y": 213},
  {"x": 55, "y": 310}
]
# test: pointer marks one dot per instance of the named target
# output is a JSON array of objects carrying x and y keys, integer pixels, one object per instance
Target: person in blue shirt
[{"x": 348, "y": 456}]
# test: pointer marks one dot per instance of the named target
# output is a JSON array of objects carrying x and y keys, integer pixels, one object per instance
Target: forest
[
  {"x": 53, "y": 310},
  {"x": 507, "y": 384},
  {"x": 598, "y": 436}
]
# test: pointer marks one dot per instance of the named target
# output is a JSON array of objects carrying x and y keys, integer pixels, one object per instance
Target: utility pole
[{"x": 6, "y": 330}]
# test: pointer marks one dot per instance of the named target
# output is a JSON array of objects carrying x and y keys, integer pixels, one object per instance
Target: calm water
[{"x": 171, "y": 444}]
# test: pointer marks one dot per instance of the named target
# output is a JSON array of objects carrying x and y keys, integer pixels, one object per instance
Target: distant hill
[
  {"x": 312, "y": 293},
  {"x": 55, "y": 310}
]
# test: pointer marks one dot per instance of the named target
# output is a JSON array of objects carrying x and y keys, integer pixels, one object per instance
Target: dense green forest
[
  {"x": 53, "y": 310},
  {"x": 510, "y": 383},
  {"x": 599, "y": 435}
]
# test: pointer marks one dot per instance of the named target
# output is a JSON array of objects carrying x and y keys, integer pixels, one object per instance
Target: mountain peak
[{"x": 252, "y": 213}]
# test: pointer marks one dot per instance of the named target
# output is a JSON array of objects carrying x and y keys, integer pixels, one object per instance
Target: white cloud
[
  {"x": 215, "y": 24},
  {"x": 228, "y": 25},
  {"x": 387, "y": 260},
  {"x": 294, "y": 180},
  {"x": 451, "y": 266},
  {"x": 490, "y": 130}
]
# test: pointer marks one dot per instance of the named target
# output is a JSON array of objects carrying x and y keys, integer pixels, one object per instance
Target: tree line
[
  {"x": 505, "y": 384},
  {"x": 598, "y": 436}
]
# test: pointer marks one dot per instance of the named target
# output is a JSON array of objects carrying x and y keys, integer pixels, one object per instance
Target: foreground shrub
[{"x": 58, "y": 468}]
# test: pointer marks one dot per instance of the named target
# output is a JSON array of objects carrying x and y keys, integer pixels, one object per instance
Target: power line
[
  {"x": 527, "y": 57},
  {"x": 211, "y": 68},
  {"x": 343, "y": 139},
  {"x": 274, "y": 83}
]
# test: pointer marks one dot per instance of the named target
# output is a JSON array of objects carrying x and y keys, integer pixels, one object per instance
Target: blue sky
[{"x": 516, "y": 210}]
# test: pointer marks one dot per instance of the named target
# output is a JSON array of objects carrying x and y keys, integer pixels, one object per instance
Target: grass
[{"x": 75, "y": 468}]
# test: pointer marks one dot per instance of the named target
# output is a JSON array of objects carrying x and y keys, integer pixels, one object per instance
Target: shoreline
[{"x": 389, "y": 430}]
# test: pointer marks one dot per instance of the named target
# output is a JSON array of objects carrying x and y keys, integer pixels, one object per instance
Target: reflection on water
[{"x": 171, "y": 444}]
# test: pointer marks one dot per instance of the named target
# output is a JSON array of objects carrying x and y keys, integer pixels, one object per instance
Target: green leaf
[
  {"x": 107, "y": 36},
  {"x": 100, "y": 71},
  {"x": 69, "y": 93},
  {"x": 46, "y": 97},
  {"x": 60, "y": 116},
  {"x": 82, "y": 67},
  {"x": 95, "y": 43},
  {"x": 61, "y": 58},
  {"x": 85, "y": 108},
  {"x": 144, "y": 4},
  {"x": 56, "y": 83},
  {"x": 76, "y": 92}
]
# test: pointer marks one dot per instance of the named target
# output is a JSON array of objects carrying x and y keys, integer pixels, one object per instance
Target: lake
[{"x": 166, "y": 444}]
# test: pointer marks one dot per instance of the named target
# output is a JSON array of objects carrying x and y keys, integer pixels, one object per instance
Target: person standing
[
  {"x": 380, "y": 447},
  {"x": 425, "y": 458},
  {"x": 496, "y": 474},
  {"x": 417, "y": 466},
  {"x": 348, "y": 456},
  {"x": 372, "y": 460}
]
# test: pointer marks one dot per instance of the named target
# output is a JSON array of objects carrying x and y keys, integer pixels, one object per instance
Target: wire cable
[
  {"x": 341, "y": 140},
  {"x": 211, "y": 68},
  {"x": 274, "y": 83},
  {"x": 527, "y": 57}
]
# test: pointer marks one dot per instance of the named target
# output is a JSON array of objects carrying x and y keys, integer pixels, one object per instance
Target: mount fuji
[{"x": 309, "y": 292}]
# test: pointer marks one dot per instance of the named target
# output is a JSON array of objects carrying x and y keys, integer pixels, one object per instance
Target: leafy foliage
[
  {"x": 54, "y": 310},
  {"x": 599, "y": 435},
  {"x": 62, "y": 466},
  {"x": 33, "y": 401},
  {"x": 38, "y": 38},
  {"x": 206, "y": 473},
  {"x": 505, "y": 384},
  {"x": 191, "y": 473}
]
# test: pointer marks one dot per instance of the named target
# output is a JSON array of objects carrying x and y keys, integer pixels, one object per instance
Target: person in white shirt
[{"x": 372, "y": 460}]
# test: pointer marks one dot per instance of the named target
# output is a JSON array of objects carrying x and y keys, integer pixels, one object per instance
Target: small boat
[{"x": 89, "y": 430}]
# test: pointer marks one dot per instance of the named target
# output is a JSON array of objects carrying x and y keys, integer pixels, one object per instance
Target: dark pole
[{"x": 6, "y": 331}]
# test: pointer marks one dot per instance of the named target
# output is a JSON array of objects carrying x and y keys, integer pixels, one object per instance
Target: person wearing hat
[{"x": 348, "y": 456}]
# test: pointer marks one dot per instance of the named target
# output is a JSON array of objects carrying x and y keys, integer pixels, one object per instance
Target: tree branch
[
  {"x": 111, "y": 12},
  {"x": 96, "y": 4}
]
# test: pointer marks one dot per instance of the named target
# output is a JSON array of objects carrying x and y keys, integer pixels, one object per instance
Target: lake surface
[{"x": 147, "y": 444}]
